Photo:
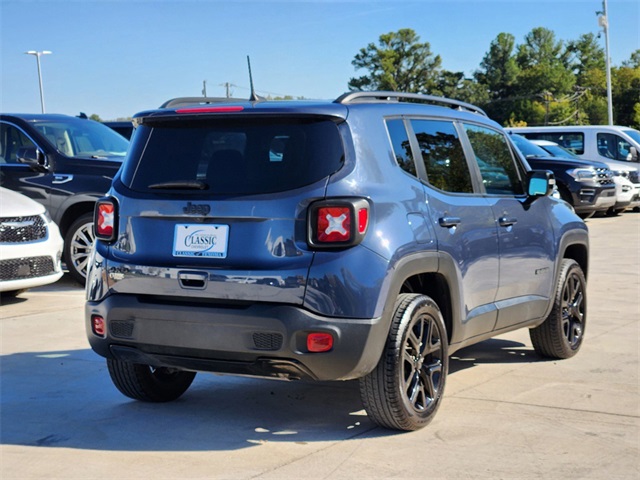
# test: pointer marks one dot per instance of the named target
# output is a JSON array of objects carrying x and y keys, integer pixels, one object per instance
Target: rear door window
[
  {"x": 443, "y": 155},
  {"x": 238, "y": 156}
]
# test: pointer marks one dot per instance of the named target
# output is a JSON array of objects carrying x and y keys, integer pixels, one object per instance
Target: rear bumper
[{"x": 252, "y": 339}]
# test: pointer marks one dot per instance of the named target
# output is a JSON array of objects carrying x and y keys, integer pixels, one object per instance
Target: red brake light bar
[{"x": 210, "y": 109}]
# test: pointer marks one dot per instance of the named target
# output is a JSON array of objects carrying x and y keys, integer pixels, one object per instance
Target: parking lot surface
[{"x": 506, "y": 413}]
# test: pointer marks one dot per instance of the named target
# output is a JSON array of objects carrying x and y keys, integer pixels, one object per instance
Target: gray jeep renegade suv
[{"x": 366, "y": 238}]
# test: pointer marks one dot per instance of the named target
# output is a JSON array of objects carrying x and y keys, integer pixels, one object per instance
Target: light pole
[
  {"x": 603, "y": 21},
  {"x": 38, "y": 55}
]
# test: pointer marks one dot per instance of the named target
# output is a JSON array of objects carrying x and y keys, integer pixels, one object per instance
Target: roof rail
[
  {"x": 183, "y": 101},
  {"x": 381, "y": 96}
]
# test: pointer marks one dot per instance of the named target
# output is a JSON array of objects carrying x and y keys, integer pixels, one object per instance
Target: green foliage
[
  {"x": 398, "y": 63},
  {"x": 625, "y": 82},
  {"x": 543, "y": 81},
  {"x": 96, "y": 117}
]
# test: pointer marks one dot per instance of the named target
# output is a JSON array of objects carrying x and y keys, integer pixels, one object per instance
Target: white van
[{"x": 614, "y": 145}]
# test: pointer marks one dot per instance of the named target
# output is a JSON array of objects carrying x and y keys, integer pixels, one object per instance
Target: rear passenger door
[
  {"x": 525, "y": 233},
  {"x": 462, "y": 219}
]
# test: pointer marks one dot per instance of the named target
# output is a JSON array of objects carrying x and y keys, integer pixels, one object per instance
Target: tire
[
  {"x": 405, "y": 389},
  {"x": 562, "y": 333},
  {"x": 149, "y": 384},
  {"x": 77, "y": 247},
  {"x": 12, "y": 293},
  {"x": 614, "y": 212}
]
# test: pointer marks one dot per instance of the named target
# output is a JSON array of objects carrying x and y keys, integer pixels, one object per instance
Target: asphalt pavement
[{"x": 506, "y": 414}]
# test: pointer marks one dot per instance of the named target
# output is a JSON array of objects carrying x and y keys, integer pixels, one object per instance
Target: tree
[
  {"x": 625, "y": 86},
  {"x": 634, "y": 60},
  {"x": 455, "y": 85},
  {"x": 544, "y": 64},
  {"x": 398, "y": 63},
  {"x": 498, "y": 76},
  {"x": 96, "y": 117},
  {"x": 498, "y": 69}
]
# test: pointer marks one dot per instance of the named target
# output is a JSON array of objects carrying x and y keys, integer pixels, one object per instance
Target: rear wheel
[
  {"x": 147, "y": 383},
  {"x": 561, "y": 334},
  {"x": 404, "y": 391},
  {"x": 77, "y": 247}
]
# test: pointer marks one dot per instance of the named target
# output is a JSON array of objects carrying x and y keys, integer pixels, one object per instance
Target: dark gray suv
[{"x": 366, "y": 238}]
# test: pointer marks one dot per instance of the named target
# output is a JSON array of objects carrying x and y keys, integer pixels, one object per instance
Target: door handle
[
  {"x": 449, "y": 222},
  {"x": 507, "y": 221}
]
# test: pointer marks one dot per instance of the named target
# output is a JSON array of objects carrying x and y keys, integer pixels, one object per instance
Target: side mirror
[
  {"x": 31, "y": 156},
  {"x": 541, "y": 183}
]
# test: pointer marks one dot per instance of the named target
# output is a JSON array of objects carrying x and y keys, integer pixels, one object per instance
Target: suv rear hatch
[{"x": 215, "y": 206}]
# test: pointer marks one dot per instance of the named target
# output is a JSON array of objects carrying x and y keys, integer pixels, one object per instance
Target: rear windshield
[{"x": 234, "y": 156}]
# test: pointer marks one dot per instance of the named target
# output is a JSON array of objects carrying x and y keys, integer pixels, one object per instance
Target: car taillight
[
  {"x": 339, "y": 222},
  {"x": 105, "y": 219}
]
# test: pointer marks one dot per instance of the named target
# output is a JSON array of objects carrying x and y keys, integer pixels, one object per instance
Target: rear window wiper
[{"x": 180, "y": 185}]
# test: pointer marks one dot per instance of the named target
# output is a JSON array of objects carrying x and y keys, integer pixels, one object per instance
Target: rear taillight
[
  {"x": 339, "y": 222},
  {"x": 105, "y": 219}
]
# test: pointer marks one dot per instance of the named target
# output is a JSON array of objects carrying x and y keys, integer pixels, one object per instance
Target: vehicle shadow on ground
[
  {"x": 66, "y": 399},
  {"x": 494, "y": 350}
]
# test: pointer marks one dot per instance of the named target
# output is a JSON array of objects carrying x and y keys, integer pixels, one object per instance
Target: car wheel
[
  {"x": 77, "y": 247},
  {"x": 149, "y": 384},
  {"x": 12, "y": 293},
  {"x": 405, "y": 389},
  {"x": 561, "y": 334},
  {"x": 614, "y": 212}
]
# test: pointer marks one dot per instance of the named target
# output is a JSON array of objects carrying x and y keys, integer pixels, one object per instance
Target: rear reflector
[
  {"x": 363, "y": 220},
  {"x": 98, "y": 326},
  {"x": 210, "y": 109},
  {"x": 319, "y": 342}
]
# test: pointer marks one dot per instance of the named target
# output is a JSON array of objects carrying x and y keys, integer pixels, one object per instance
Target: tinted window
[
  {"x": 443, "y": 155},
  {"x": 12, "y": 139},
  {"x": 401, "y": 146},
  {"x": 497, "y": 167},
  {"x": 612, "y": 146},
  {"x": 572, "y": 141},
  {"x": 248, "y": 156}
]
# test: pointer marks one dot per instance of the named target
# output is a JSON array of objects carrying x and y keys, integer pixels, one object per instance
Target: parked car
[
  {"x": 587, "y": 186},
  {"x": 30, "y": 244},
  {"x": 367, "y": 238},
  {"x": 124, "y": 128},
  {"x": 625, "y": 195},
  {"x": 614, "y": 145},
  {"x": 65, "y": 163}
]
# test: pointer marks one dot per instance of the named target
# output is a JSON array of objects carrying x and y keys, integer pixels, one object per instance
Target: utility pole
[
  {"x": 227, "y": 86},
  {"x": 603, "y": 21},
  {"x": 38, "y": 55},
  {"x": 204, "y": 88}
]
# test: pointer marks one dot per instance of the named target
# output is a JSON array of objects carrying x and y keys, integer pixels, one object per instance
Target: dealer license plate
[{"x": 200, "y": 241}]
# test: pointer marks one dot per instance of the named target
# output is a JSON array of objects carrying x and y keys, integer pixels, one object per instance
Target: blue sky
[{"x": 117, "y": 57}]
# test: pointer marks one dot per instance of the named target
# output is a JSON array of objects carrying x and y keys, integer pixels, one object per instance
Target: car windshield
[
  {"x": 527, "y": 148},
  {"x": 82, "y": 138},
  {"x": 635, "y": 134},
  {"x": 558, "y": 151}
]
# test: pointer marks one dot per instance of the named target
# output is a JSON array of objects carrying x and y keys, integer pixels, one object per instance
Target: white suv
[
  {"x": 614, "y": 145},
  {"x": 30, "y": 244}
]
